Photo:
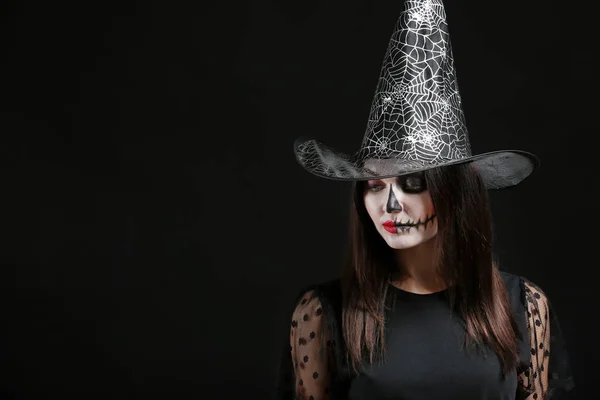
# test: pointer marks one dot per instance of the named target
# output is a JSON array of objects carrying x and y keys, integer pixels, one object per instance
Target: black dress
[{"x": 425, "y": 354}]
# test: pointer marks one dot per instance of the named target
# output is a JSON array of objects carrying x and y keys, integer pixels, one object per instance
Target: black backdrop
[{"x": 156, "y": 225}]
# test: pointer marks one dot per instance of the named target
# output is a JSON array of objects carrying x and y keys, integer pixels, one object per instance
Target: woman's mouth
[
  {"x": 393, "y": 227},
  {"x": 390, "y": 226}
]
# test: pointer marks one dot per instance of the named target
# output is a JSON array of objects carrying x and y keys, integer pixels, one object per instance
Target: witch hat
[{"x": 416, "y": 121}]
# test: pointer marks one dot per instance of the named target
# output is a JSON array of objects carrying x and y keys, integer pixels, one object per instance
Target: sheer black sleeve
[
  {"x": 549, "y": 374},
  {"x": 308, "y": 363}
]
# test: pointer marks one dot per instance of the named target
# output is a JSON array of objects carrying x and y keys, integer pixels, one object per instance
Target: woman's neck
[{"x": 417, "y": 270}]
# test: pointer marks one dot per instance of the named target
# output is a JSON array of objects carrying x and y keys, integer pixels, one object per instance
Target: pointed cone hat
[{"x": 416, "y": 121}]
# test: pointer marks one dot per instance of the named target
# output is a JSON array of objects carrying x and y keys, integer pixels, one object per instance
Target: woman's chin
[{"x": 401, "y": 241}]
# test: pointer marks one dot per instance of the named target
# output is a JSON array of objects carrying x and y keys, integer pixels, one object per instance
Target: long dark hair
[{"x": 465, "y": 262}]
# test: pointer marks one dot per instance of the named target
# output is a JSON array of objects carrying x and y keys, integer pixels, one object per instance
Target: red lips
[{"x": 389, "y": 226}]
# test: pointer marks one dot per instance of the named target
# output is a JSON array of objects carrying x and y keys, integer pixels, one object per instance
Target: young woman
[{"x": 422, "y": 310}]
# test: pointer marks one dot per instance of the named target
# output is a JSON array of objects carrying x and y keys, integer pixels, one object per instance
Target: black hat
[{"x": 416, "y": 120}]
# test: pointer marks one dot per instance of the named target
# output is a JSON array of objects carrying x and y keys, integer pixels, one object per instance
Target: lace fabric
[
  {"x": 310, "y": 362},
  {"x": 311, "y": 350},
  {"x": 548, "y": 375}
]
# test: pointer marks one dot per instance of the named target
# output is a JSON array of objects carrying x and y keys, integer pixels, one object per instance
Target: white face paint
[{"x": 402, "y": 210}]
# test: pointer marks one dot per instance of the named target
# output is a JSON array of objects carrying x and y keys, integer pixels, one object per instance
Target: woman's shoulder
[
  {"x": 528, "y": 301},
  {"x": 330, "y": 290},
  {"x": 519, "y": 286},
  {"x": 325, "y": 294},
  {"x": 319, "y": 303}
]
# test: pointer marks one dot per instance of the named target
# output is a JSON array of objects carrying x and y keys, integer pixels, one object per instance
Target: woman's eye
[
  {"x": 413, "y": 184},
  {"x": 375, "y": 188}
]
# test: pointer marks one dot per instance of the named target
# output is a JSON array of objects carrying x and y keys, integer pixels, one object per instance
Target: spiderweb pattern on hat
[{"x": 416, "y": 120}]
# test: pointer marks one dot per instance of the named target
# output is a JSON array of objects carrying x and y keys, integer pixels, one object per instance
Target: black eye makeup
[{"x": 414, "y": 183}]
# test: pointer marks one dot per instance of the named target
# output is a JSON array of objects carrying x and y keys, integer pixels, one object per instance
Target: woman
[{"x": 422, "y": 311}]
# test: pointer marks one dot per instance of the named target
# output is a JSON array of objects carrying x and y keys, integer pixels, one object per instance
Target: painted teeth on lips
[{"x": 391, "y": 224}]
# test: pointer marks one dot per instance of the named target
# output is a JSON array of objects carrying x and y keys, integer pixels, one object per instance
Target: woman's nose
[{"x": 392, "y": 205}]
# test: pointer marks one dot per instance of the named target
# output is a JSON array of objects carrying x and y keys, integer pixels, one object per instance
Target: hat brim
[{"x": 499, "y": 169}]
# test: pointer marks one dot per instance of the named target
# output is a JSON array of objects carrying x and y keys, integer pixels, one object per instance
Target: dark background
[{"x": 156, "y": 224}]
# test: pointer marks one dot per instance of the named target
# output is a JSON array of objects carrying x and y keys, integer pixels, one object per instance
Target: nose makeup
[{"x": 392, "y": 202}]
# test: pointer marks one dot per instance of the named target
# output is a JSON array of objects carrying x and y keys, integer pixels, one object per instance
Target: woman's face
[{"x": 401, "y": 209}]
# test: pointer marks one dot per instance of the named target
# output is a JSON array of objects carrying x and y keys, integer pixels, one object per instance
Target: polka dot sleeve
[
  {"x": 549, "y": 374},
  {"x": 309, "y": 342}
]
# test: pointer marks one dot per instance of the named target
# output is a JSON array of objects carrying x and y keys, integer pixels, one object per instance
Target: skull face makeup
[{"x": 402, "y": 210}]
